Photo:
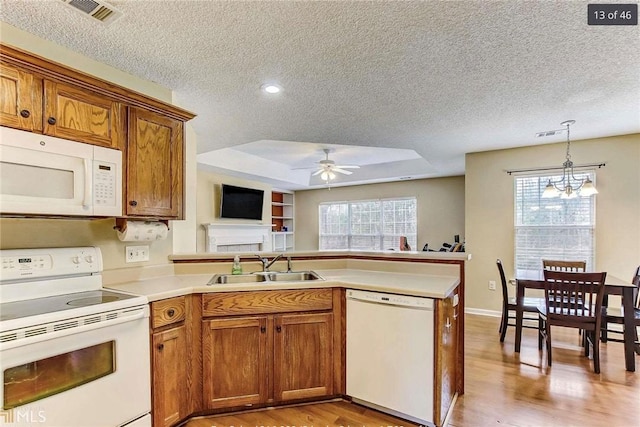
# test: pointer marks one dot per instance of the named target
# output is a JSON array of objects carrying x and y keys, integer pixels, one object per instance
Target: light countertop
[{"x": 430, "y": 286}]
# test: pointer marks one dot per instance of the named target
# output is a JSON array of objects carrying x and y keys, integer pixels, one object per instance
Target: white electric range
[{"x": 71, "y": 353}]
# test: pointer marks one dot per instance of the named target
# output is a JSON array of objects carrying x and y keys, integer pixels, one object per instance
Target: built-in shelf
[{"x": 282, "y": 223}]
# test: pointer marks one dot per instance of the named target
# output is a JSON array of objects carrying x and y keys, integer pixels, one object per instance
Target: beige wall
[
  {"x": 489, "y": 209},
  {"x": 440, "y": 208},
  {"x": 208, "y": 202},
  {"x": 39, "y": 233}
]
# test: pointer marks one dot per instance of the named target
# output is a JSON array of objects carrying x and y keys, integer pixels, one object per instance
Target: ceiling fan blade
[
  {"x": 318, "y": 172},
  {"x": 347, "y": 166},
  {"x": 342, "y": 171},
  {"x": 305, "y": 167}
]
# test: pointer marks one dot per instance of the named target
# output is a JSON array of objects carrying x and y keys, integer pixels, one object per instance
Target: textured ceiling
[{"x": 439, "y": 78}]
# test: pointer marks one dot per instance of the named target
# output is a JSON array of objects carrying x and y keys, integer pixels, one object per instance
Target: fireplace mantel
[{"x": 227, "y": 234}]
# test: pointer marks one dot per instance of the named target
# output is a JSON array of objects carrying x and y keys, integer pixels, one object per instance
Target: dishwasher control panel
[{"x": 391, "y": 299}]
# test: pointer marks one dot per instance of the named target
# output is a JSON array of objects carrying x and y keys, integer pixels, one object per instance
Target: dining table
[{"x": 613, "y": 286}]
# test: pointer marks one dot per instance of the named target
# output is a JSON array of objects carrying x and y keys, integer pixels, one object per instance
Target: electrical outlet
[
  {"x": 492, "y": 285},
  {"x": 137, "y": 253}
]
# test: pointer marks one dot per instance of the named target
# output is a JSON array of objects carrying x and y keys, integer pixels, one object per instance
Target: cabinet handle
[
  {"x": 263, "y": 329},
  {"x": 278, "y": 328},
  {"x": 171, "y": 312},
  {"x": 51, "y": 120},
  {"x": 133, "y": 203},
  {"x": 25, "y": 113},
  {"x": 160, "y": 347}
]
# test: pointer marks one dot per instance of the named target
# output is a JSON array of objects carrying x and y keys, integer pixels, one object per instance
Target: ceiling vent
[
  {"x": 549, "y": 133},
  {"x": 97, "y": 10}
]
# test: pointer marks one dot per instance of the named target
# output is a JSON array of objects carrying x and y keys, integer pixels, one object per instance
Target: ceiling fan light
[
  {"x": 324, "y": 176},
  {"x": 332, "y": 175}
]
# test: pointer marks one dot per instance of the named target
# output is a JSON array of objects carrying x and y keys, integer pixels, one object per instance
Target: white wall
[
  {"x": 440, "y": 208},
  {"x": 489, "y": 213}
]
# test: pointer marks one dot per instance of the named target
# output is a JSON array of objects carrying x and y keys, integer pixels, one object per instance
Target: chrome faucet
[{"x": 266, "y": 264}]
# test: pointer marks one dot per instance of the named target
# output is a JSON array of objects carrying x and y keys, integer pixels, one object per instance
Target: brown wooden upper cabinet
[
  {"x": 41, "y": 96},
  {"x": 154, "y": 184},
  {"x": 20, "y": 99},
  {"x": 81, "y": 115},
  {"x": 31, "y": 103}
]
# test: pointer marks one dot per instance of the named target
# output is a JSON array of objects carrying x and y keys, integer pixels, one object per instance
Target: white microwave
[{"x": 44, "y": 175}]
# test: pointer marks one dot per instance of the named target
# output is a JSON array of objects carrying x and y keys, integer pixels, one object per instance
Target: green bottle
[{"x": 237, "y": 268}]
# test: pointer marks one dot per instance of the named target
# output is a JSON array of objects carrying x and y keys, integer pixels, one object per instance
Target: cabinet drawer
[
  {"x": 168, "y": 311},
  {"x": 264, "y": 302}
]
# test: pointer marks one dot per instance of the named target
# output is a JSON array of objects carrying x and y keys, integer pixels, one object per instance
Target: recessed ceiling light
[{"x": 270, "y": 88}]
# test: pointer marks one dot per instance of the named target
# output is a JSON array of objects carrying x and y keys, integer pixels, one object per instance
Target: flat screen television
[{"x": 241, "y": 203}]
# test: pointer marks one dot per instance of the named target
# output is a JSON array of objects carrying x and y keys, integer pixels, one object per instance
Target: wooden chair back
[
  {"x": 560, "y": 265},
  {"x": 574, "y": 299},
  {"x": 636, "y": 291},
  {"x": 503, "y": 282}
]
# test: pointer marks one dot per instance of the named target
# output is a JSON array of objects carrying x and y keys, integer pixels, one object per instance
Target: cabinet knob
[
  {"x": 278, "y": 328},
  {"x": 133, "y": 203},
  {"x": 171, "y": 312},
  {"x": 25, "y": 113},
  {"x": 263, "y": 329},
  {"x": 160, "y": 347},
  {"x": 51, "y": 120}
]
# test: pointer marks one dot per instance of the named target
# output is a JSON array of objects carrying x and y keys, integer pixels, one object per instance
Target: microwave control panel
[{"x": 104, "y": 183}]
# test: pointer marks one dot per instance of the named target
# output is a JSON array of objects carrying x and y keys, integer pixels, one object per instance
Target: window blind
[
  {"x": 368, "y": 224},
  {"x": 560, "y": 229}
]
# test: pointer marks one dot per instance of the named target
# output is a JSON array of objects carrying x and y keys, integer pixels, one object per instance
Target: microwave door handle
[{"x": 86, "y": 202}]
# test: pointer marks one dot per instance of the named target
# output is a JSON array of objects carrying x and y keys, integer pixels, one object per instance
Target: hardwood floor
[{"x": 501, "y": 388}]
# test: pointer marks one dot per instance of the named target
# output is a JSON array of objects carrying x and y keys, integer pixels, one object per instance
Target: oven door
[{"x": 94, "y": 373}]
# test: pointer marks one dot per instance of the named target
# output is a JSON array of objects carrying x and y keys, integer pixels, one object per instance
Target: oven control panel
[
  {"x": 20, "y": 264},
  {"x": 27, "y": 263}
]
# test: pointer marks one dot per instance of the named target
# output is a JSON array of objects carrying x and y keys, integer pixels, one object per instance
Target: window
[
  {"x": 368, "y": 224},
  {"x": 561, "y": 229}
]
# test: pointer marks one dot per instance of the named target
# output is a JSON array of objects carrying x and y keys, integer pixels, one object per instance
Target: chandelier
[{"x": 569, "y": 186}]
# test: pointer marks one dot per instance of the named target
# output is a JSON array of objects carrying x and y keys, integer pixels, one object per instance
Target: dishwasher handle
[{"x": 409, "y": 301}]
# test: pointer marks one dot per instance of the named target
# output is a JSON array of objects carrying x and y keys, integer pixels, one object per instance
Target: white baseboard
[{"x": 482, "y": 312}]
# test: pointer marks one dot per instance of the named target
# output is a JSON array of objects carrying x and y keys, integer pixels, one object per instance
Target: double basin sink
[{"x": 267, "y": 276}]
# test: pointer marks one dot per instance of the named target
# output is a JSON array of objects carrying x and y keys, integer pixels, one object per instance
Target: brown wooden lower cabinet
[
  {"x": 169, "y": 373},
  {"x": 235, "y": 361},
  {"x": 303, "y": 356},
  {"x": 216, "y": 351},
  {"x": 263, "y": 359}
]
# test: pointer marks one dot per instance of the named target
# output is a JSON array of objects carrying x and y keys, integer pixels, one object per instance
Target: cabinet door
[
  {"x": 446, "y": 356},
  {"x": 169, "y": 376},
  {"x": 303, "y": 356},
  {"x": 81, "y": 115},
  {"x": 20, "y": 99},
  {"x": 154, "y": 165},
  {"x": 235, "y": 361}
]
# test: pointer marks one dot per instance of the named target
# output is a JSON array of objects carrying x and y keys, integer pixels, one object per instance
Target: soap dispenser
[{"x": 237, "y": 268}]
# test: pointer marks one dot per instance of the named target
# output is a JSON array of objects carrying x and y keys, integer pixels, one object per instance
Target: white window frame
[
  {"x": 345, "y": 229},
  {"x": 528, "y": 258}
]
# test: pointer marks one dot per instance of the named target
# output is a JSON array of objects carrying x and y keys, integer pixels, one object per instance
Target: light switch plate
[{"x": 137, "y": 254}]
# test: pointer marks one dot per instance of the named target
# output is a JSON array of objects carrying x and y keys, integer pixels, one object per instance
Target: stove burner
[{"x": 82, "y": 302}]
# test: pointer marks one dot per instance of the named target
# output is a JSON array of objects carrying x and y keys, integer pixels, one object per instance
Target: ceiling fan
[{"x": 328, "y": 168}]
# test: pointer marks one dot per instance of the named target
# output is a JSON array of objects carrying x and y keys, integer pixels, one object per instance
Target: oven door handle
[{"x": 124, "y": 315}]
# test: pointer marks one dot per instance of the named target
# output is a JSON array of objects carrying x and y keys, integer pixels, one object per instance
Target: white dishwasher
[{"x": 390, "y": 353}]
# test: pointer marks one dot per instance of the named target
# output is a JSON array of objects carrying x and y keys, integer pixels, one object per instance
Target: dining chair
[
  {"x": 509, "y": 304},
  {"x": 615, "y": 315},
  {"x": 561, "y": 290},
  {"x": 561, "y": 265}
]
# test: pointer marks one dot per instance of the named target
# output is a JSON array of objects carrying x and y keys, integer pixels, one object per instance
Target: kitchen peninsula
[{"x": 284, "y": 341}]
